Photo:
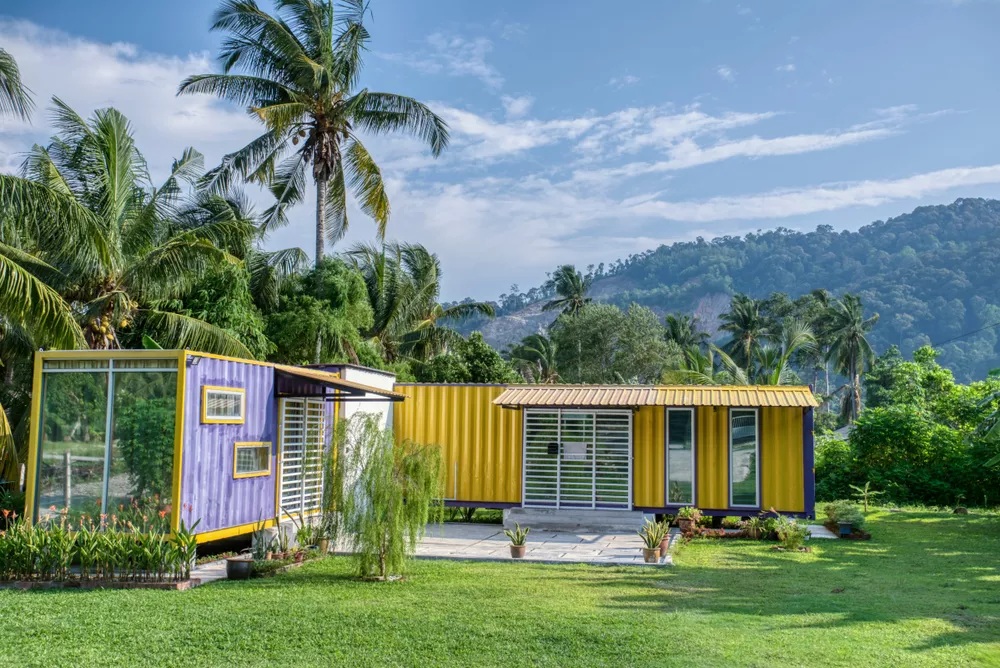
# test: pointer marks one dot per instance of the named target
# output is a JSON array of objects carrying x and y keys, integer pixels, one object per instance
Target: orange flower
[
  {"x": 52, "y": 508},
  {"x": 6, "y": 513},
  {"x": 163, "y": 514}
]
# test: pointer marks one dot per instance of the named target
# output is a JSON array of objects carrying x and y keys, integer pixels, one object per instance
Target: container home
[
  {"x": 726, "y": 450},
  {"x": 180, "y": 435}
]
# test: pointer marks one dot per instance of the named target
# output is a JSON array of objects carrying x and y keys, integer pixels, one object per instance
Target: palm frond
[
  {"x": 173, "y": 330},
  {"x": 15, "y": 97},
  {"x": 380, "y": 113},
  {"x": 33, "y": 305},
  {"x": 366, "y": 184}
]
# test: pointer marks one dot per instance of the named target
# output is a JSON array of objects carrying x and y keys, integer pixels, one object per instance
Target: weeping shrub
[{"x": 385, "y": 493}]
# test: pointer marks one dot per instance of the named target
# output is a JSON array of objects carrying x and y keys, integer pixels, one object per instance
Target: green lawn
[{"x": 924, "y": 591}]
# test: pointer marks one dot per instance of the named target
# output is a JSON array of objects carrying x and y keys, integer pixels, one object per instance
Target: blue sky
[{"x": 583, "y": 132}]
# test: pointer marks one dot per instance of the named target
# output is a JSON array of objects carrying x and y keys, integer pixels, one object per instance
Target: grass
[{"x": 924, "y": 591}]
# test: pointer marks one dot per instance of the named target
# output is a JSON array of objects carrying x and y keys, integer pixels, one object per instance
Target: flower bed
[{"x": 52, "y": 555}]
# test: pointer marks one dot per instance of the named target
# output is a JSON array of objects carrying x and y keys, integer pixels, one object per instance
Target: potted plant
[
  {"x": 518, "y": 540},
  {"x": 239, "y": 567},
  {"x": 687, "y": 517},
  {"x": 665, "y": 539},
  {"x": 753, "y": 528},
  {"x": 651, "y": 535}
]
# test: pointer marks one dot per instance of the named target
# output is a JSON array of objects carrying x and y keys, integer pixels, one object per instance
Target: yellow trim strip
[
  {"x": 219, "y": 534},
  {"x": 107, "y": 354},
  {"x": 205, "y": 389},
  {"x": 175, "y": 516},
  {"x": 34, "y": 437},
  {"x": 252, "y": 444},
  {"x": 227, "y": 358}
]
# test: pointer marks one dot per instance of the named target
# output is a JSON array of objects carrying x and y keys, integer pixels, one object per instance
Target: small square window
[
  {"x": 251, "y": 460},
  {"x": 222, "y": 405}
]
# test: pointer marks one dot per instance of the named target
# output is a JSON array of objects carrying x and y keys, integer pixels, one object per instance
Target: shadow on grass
[{"x": 919, "y": 566}]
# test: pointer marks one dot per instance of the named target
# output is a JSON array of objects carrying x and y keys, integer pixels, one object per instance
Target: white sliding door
[{"x": 303, "y": 424}]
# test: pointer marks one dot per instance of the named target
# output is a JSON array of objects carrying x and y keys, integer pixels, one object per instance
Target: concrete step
[{"x": 572, "y": 520}]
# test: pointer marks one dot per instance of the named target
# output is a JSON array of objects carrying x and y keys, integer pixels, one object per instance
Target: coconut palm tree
[
  {"x": 846, "y": 328},
  {"x": 297, "y": 71},
  {"x": 15, "y": 97},
  {"x": 404, "y": 283},
  {"x": 535, "y": 359},
  {"x": 747, "y": 327},
  {"x": 683, "y": 330},
  {"x": 93, "y": 227},
  {"x": 571, "y": 288}
]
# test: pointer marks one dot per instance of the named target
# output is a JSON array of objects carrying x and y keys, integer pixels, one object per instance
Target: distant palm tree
[
  {"x": 683, "y": 330},
  {"x": 846, "y": 328},
  {"x": 403, "y": 282},
  {"x": 699, "y": 368},
  {"x": 298, "y": 73},
  {"x": 774, "y": 363},
  {"x": 747, "y": 327},
  {"x": 571, "y": 288},
  {"x": 535, "y": 358},
  {"x": 15, "y": 97}
]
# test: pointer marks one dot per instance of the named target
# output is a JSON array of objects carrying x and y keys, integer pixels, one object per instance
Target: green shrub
[
  {"x": 689, "y": 513},
  {"x": 845, "y": 511},
  {"x": 791, "y": 534}
]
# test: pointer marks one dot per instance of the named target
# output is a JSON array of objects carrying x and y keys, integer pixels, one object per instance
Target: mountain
[{"x": 933, "y": 275}]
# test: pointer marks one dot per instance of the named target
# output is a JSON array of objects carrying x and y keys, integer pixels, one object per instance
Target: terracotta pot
[
  {"x": 324, "y": 545},
  {"x": 664, "y": 545},
  {"x": 517, "y": 551},
  {"x": 686, "y": 525},
  {"x": 651, "y": 555},
  {"x": 300, "y": 556}
]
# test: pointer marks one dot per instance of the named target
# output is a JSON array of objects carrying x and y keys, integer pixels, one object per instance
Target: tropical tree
[
  {"x": 298, "y": 72},
  {"x": 535, "y": 359},
  {"x": 404, "y": 283},
  {"x": 571, "y": 288},
  {"x": 682, "y": 329},
  {"x": 699, "y": 368},
  {"x": 747, "y": 327},
  {"x": 846, "y": 327},
  {"x": 15, "y": 97},
  {"x": 93, "y": 227}
]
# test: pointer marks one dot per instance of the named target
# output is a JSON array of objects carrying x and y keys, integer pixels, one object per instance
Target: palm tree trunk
[{"x": 321, "y": 193}]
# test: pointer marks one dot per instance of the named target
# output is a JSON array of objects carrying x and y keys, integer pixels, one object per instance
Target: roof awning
[
  {"x": 301, "y": 382},
  {"x": 634, "y": 396}
]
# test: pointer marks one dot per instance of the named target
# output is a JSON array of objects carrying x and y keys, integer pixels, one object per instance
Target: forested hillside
[{"x": 931, "y": 274}]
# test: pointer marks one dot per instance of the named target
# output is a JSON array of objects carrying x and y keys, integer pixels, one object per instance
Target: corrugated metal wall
[
  {"x": 207, "y": 483},
  {"x": 479, "y": 440},
  {"x": 647, "y": 457},
  {"x": 782, "y": 483},
  {"x": 712, "y": 457}
]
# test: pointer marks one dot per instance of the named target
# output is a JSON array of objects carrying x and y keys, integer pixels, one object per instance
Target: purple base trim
[
  {"x": 492, "y": 505},
  {"x": 731, "y": 512}
]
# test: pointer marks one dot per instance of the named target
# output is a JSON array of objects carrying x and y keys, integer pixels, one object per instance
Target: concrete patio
[{"x": 487, "y": 542}]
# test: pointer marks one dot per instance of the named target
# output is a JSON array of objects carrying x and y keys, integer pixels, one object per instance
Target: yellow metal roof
[
  {"x": 333, "y": 380},
  {"x": 593, "y": 396}
]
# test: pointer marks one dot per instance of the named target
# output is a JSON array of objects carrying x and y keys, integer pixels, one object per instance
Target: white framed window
[
  {"x": 744, "y": 458},
  {"x": 251, "y": 460},
  {"x": 679, "y": 460},
  {"x": 223, "y": 405}
]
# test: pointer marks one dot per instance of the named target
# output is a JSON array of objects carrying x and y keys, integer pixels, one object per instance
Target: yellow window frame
[
  {"x": 205, "y": 419},
  {"x": 252, "y": 444}
]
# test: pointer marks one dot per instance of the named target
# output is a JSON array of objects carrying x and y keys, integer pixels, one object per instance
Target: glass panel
[
  {"x": 252, "y": 459},
  {"x": 680, "y": 472},
  {"x": 224, "y": 405},
  {"x": 142, "y": 449},
  {"x": 71, "y": 461},
  {"x": 75, "y": 364},
  {"x": 146, "y": 364},
  {"x": 743, "y": 458}
]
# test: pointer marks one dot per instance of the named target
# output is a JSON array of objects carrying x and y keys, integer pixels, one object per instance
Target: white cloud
[
  {"x": 513, "y": 31},
  {"x": 477, "y": 137},
  {"x": 623, "y": 81},
  {"x": 829, "y": 197},
  {"x": 454, "y": 56},
  {"x": 725, "y": 73},
  {"x": 516, "y": 107},
  {"x": 787, "y": 67},
  {"x": 92, "y": 75}
]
